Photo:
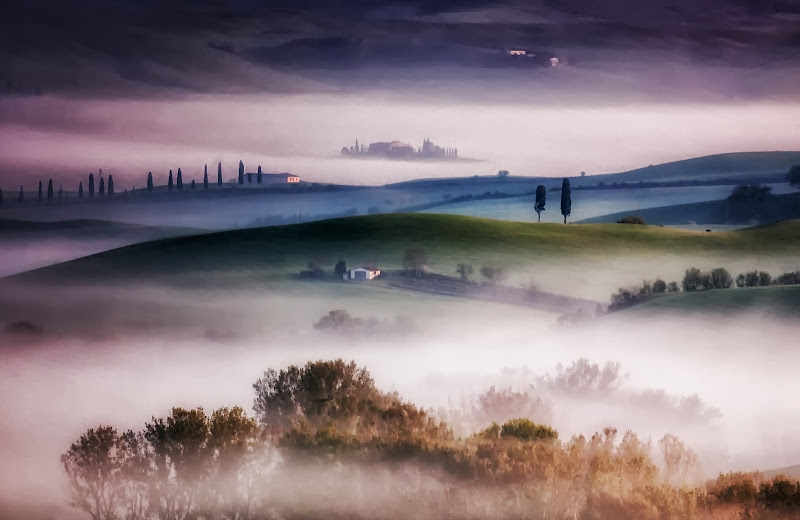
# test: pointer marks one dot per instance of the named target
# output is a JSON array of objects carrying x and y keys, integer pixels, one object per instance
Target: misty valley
[{"x": 399, "y": 259}]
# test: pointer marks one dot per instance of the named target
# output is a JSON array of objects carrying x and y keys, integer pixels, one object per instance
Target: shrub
[
  {"x": 659, "y": 286},
  {"x": 631, "y": 220},
  {"x": 527, "y": 430},
  {"x": 673, "y": 287}
]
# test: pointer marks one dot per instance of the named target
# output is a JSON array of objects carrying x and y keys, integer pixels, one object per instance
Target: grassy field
[
  {"x": 611, "y": 251},
  {"x": 782, "y": 300}
]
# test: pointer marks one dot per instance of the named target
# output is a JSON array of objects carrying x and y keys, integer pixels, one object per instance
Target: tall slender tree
[
  {"x": 102, "y": 190},
  {"x": 219, "y": 175},
  {"x": 60, "y": 193},
  {"x": 110, "y": 185},
  {"x": 169, "y": 181},
  {"x": 91, "y": 185},
  {"x": 180, "y": 180},
  {"x": 21, "y": 197},
  {"x": 149, "y": 181},
  {"x": 249, "y": 178},
  {"x": 80, "y": 190},
  {"x": 541, "y": 200},
  {"x": 192, "y": 184},
  {"x": 50, "y": 190},
  {"x": 566, "y": 199},
  {"x": 1, "y": 196},
  {"x": 41, "y": 197},
  {"x": 241, "y": 172},
  {"x": 258, "y": 177},
  {"x": 205, "y": 177}
]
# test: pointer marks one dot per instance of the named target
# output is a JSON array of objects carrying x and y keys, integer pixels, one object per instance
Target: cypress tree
[
  {"x": 91, "y": 185},
  {"x": 566, "y": 199},
  {"x": 50, "y": 190},
  {"x": 258, "y": 178},
  {"x": 219, "y": 175},
  {"x": 110, "y": 185},
  {"x": 192, "y": 185},
  {"x": 1, "y": 196},
  {"x": 21, "y": 197},
  {"x": 60, "y": 193},
  {"x": 169, "y": 181},
  {"x": 149, "y": 181},
  {"x": 80, "y": 190},
  {"x": 180, "y": 179},
  {"x": 241, "y": 172},
  {"x": 205, "y": 177},
  {"x": 249, "y": 178},
  {"x": 541, "y": 199},
  {"x": 40, "y": 191},
  {"x": 102, "y": 190}
]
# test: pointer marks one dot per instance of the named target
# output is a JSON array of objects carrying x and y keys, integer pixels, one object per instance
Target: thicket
[{"x": 327, "y": 443}]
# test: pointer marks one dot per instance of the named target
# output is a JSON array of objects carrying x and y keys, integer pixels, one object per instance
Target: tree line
[
  {"x": 105, "y": 188},
  {"x": 326, "y": 442},
  {"x": 695, "y": 280}
]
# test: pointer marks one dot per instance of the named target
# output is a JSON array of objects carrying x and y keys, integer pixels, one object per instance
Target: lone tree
[
  {"x": 503, "y": 174},
  {"x": 541, "y": 199},
  {"x": 180, "y": 180},
  {"x": 60, "y": 193},
  {"x": 464, "y": 270},
  {"x": 341, "y": 268},
  {"x": 80, "y": 190},
  {"x": 793, "y": 176},
  {"x": 192, "y": 185},
  {"x": 493, "y": 274},
  {"x": 1, "y": 197},
  {"x": 21, "y": 197},
  {"x": 219, "y": 175},
  {"x": 50, "y": 190},
  {"x": 41, "y": 197},
  {"x": 241, "y": 172},
  {"x": 110, "y": 185},
  {"x": 205, "y": 177},
  {"x": 149, "y": 181},
  {"x": 566, "y": 199},
  {"x": 102, "y": 190},
  {"x": 91, "y": 185},
  {"x": 169, "y": 181},
  {"x": 415, "y": 260},
  {"x": 258, "y": 176}
]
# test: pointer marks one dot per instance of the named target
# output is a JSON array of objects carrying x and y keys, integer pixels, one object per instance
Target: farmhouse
[
  {"x": 362, "y": 273},
  {"x": 276, "y": 178}
]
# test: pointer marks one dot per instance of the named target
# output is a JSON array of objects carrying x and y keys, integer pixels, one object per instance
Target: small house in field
[
  {"x": 276, "y": 178},
  {"x": 362, "y": 273}
]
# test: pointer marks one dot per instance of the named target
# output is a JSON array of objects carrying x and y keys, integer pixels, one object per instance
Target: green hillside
[
  {"x": 382, "y": 240},
  {"x": 731, "y": 165},
  {"x": 778, "y": 300}
]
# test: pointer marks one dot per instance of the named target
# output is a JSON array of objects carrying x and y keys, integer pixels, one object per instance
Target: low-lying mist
[{"x": 725, "y": 386}]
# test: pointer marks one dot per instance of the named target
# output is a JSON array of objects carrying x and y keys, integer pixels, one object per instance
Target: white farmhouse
[{"x": 362, "y": 273}]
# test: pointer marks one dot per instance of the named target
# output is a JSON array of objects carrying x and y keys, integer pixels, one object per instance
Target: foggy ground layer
[{"x": 194, "y": 321}]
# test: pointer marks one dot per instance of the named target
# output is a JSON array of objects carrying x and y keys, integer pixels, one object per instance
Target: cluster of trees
[
  {"x": 696, "y": 280},
  {"x": 628, "y": 297},
  {"x": 327, "y": 425}
]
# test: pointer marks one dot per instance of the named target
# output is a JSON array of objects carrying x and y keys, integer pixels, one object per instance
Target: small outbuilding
[{"x": 362, "y": 273}]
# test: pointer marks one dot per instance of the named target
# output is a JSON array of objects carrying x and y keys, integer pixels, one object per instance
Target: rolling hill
[{"x": 382, "y": 239}]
